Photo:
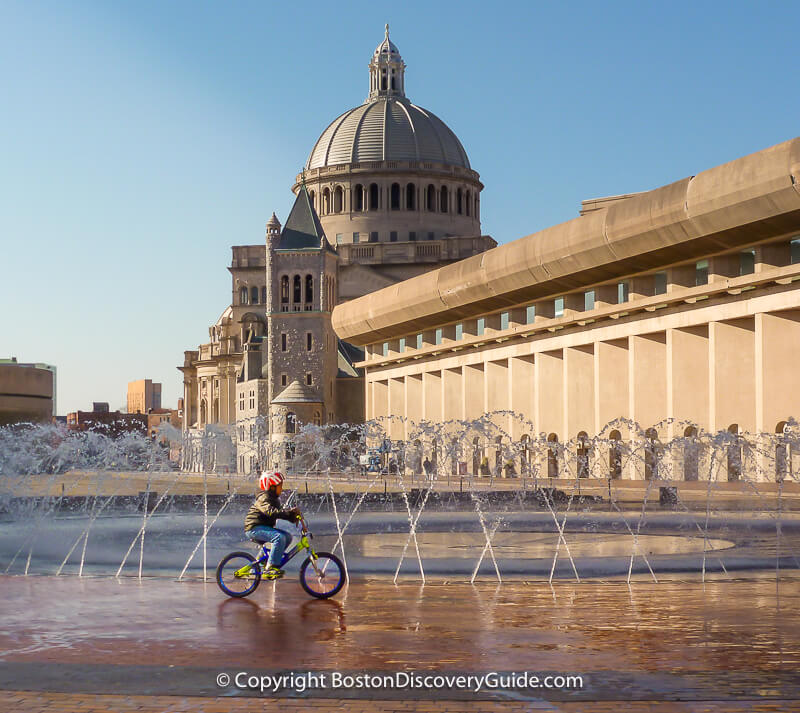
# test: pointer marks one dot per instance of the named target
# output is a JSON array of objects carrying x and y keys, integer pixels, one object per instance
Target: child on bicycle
[{"x": 259, "y": 523}]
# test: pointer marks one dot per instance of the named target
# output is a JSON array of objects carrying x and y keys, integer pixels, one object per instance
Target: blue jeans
[{"x": 280, "y": 540}]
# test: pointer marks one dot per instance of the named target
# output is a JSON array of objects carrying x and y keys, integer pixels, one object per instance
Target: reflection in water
[{"x": 527, "y": 545}]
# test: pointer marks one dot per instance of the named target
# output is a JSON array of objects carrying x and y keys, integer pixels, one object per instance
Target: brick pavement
[{"x": 30, "y": 702}]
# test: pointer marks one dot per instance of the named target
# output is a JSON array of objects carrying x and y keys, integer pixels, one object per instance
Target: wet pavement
[{"x": 84, "y": 644}]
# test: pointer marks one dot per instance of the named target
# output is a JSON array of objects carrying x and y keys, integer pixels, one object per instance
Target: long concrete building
[{"x": 676, "y": 308}]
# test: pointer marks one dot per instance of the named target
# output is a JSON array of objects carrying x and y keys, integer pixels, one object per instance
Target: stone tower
[{"x": 301, "y": 350}]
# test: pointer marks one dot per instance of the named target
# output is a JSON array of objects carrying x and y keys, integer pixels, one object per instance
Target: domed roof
[{"x": 387, "y": 129}]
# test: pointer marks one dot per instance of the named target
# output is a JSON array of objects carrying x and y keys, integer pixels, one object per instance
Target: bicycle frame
[{"x": 304, "y": 543}]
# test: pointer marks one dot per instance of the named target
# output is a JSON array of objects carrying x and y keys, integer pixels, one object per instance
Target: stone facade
[
  {"x": 677, "y": 309},
  {"x": 397, "y": 205}
]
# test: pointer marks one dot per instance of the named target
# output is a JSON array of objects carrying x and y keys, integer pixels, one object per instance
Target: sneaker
[{"x": 273, "y": 573}]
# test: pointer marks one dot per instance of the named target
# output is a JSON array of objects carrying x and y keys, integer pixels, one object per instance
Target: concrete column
[
  {"x": 497, "y": 393},
  {"x": 687, "y": 376},
  {"x": 549, "y": 368},
  {"x": 611, "y": 382},
  {"x": 732, "y": 397},
  {"x": 522, "y": 391},
  {"x": 414, "y": 400},
  {"x": 449, "y": 387},
  {"x": 474, "y": 391},
  {"x": 777, "y": 373},
  {"x": 397, "y": 408},
  {"x": 580, "y": 386}
]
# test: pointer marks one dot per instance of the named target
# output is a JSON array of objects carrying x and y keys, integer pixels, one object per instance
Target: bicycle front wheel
[
  {"x": 238, "y": 574},
  {"x": 323, "y": 576}
]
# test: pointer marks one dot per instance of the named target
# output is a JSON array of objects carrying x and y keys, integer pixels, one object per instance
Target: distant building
[
  {"x": 158, "y": 416},
  {"x": 27, "y": 392},
  {"x": 143, "y": 396},
  {"x": 111, "y": 423}
]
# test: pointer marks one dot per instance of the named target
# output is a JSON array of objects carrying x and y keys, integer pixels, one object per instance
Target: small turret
[{"x": 273, "y": 230}]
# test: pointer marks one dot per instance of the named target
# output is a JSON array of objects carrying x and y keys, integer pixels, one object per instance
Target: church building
[{"x": 387, "y": 194}]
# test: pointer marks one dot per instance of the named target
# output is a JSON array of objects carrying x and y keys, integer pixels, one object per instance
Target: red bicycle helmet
[{"x": 268, "y": 479}]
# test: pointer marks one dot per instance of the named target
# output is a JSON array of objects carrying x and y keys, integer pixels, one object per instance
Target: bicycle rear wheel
[
  {"x": 238, "y": 574},
  {"x": 322, "y": 577}
]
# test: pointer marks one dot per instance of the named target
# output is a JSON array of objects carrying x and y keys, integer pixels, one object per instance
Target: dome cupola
[{"x": 386, "y": 71}]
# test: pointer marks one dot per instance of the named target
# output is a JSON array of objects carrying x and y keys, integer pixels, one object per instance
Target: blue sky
[{"x": 139, "y": 141}]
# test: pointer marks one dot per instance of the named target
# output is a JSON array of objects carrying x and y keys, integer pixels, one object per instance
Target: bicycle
[{"x": 322, "y": 574}]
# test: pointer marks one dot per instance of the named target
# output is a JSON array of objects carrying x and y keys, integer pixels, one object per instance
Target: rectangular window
[
  {"x": 480, "y": 327},
  {"x": 623, "y": 291},
  {"x": 588, "y": 300},
  {"x": 660, "y": 283},
  {"x": 402, "y": 344},
  {"x": 438, "y": 336},
  {"x": 284, "y": 342},
  {"x": 558, "y": 307},
  {"x": 309, "y": 379},
  {"x": 356, "y": 237},
  {"x": 794, "y": 248},
  {"x": 385, "y": 349},
  {"x": 747, "y": 262},
  {"x": 412, "y": 236},
  {"x": 283, "y": 379},
  {"x": 459, "y": 331},
  {"x": 419, "y": 341},
  {"x": 373, "y": 237},
  {"x": 504, "y": 321},
  {"x": 309, "y": 341},
  {"x": 393, "y": 236},
  {"x": 530, "y": 314},
  {"x": 430, "y": 236},
  {"x": 701, "y": 272},
  {"x": 339, "y": 238}
]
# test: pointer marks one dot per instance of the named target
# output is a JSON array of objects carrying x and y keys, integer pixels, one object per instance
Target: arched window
[
  {"x": 443, "y": 206},
  {"x": 254, "y": 295},
  {"x": 263, "y": 295},
  {"x": 311, "y": 196},
  {"x": 614, "y": 455},
  {"x": 395, "y": 197},
  {"x": 326, "y": 201},
  {"x": 291, "y": 423},
  {"x": 243, "y": 296},
  {"x": 459, "y": 202},
  {"x": 411, "y": 197},
  {"x": 317, "y": 418},
  {"x": 734, "y": 454},
  {"x": 338, "y": 199},
  {"x": 358, "y": 198},
  {"x": 309, "y": 288},
  {"x": 467, "y": 201},
  {"x": 431, "y": 199},
  {"x": 582, "y": 454},
  {"x": 691, "y": 454},
  {"x": 552, "y": 456},
  {"x": 285, "y": 289},
  {"x": 651, "y": 454},
  {"x": 373, "y": 196},
  {"x": 297, "y": 296}
]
